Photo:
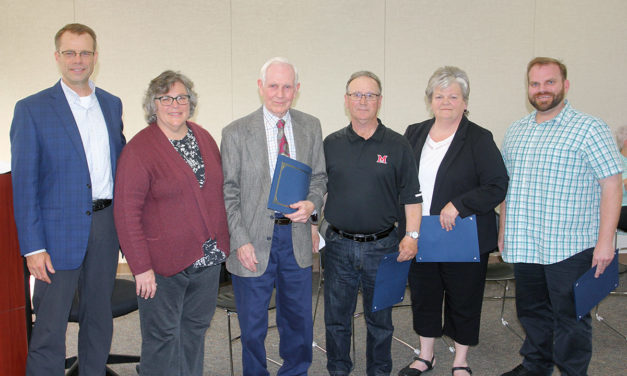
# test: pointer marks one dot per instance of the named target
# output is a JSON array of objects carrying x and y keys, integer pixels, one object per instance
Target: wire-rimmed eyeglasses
[
  {"x": 72, "y": 54},
  {"x": 370, "y": 97}
]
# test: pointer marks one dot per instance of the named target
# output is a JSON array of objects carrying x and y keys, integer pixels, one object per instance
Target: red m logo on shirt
[{"x": 382, "y": 159}]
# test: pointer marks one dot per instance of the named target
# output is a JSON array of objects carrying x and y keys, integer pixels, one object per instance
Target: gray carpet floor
[{"x": 496, "y": 353}]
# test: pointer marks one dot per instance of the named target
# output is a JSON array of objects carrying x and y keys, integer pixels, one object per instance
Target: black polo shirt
[{"x": 369, "y": 179}]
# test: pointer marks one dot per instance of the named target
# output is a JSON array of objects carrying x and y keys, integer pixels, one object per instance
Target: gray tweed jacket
[{"x": 247, "y": 186}]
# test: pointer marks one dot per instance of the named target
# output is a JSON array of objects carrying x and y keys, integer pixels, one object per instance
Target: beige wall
[{"x": 221, "y": 44}]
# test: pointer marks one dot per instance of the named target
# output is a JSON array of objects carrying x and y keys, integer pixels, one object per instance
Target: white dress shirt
[
  {"x": 272, "y": 131},
  {"x": 93, "y": 129}
]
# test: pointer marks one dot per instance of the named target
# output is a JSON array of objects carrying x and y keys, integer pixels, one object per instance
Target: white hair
[{"x": 277, "y": 60}]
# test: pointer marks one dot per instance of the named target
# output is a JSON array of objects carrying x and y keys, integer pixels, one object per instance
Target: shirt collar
[
  {"x": 376, "y": 136},
  {"x": 557, "y": 120},
  {"x": 272, "y": 119},
  {"x": 73, "y": 97}
]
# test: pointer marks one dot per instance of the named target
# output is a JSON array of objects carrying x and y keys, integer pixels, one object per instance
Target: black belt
[
  {"x": 282, "y": 221},
  {"x": 363, "y": 238},
  {"x": 100, "y": 204}
]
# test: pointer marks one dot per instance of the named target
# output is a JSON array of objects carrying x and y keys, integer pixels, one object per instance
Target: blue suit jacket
[{"x": 52, "y": 195}]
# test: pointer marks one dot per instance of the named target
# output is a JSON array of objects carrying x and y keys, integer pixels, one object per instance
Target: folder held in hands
[
  {"x": 435, "y": 244},
  {"x": 290, "y": 184},
  {"x": 389, "y": 286}
]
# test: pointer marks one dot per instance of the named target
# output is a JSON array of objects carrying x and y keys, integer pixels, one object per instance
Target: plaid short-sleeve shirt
[{"x": 554, "y": 195}]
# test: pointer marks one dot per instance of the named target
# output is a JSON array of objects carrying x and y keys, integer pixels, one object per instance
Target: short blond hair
[{"x": 74, "y": 28}]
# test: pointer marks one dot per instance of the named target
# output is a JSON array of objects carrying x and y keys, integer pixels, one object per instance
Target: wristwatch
[
  {"x": 412, "y": 234},
  {"x": 314, "y": 217}
]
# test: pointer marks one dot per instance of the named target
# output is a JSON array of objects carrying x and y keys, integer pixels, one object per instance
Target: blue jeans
[
  {"x": 546, "y": 310},
  {"x": 349, "y": 265}
]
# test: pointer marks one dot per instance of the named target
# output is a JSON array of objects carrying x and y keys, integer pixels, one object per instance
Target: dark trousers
[
  {"x": 622, "y": 221},
  {"x": 546, "y": 310},
  {"x": 350, "y": 265},
  {"x": 293, "y": 310},
  {"x": 52, "y": 302},
  {"x": 461, "y": 286},
  {"x": 174, "y": 322}
]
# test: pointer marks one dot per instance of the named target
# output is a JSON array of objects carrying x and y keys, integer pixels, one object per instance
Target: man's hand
[
  {"x": 145, "y": 284},
  {"x": 246, "y": 255},
  {"x": 303, "y": 211},
  {"x": 38, "y": 264},
  {"x": 447, "y": 216},
  {"x": 602, "y": 257},
  {"x": 407, "y": 249},
  {"x": 315, "y": 239}
]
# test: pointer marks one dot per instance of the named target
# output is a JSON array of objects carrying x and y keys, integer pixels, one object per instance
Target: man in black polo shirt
[{"x": 371, "y": 171}]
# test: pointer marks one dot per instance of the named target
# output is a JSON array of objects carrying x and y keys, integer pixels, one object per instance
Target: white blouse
[{"x": 430, "y": 160}]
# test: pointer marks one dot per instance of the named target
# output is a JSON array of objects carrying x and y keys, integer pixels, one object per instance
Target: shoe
[
  {"x": 520, "y": 370},
  {"x": 467, "y": 369},
  {"x": 408, "y": 371}
]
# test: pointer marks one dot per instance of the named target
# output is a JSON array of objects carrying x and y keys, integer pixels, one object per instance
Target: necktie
[{"x": 284, "y": 148}]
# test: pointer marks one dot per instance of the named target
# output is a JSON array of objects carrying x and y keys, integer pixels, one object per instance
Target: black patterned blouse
[{"x": 188, "y": 148}]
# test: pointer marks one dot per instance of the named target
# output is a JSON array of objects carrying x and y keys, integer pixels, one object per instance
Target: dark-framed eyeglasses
[
  {"x": 370, "y": 97},
  {"x": 72, "y": 54},
  {"x": 167, "y": 100}
]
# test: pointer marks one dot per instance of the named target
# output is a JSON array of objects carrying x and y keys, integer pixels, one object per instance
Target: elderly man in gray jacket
[{"x": 271, "y": 249}]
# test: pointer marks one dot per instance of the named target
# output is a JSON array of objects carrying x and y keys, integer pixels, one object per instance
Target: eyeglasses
[
  {"x": 370, "y": 97},
  {"x": 167, "y": 100},
  {"x": 72, "y": 54}
]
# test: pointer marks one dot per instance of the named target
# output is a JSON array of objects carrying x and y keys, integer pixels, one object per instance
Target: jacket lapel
[
  {"x": 452, "y": 152},
  {"x": 422, "y": 138},
  {"x": 107, "y": 114},
  {"x": 301, "y": 139},
  {"x": 257, "y": 147},
  {"x": 62, "y": 108}
]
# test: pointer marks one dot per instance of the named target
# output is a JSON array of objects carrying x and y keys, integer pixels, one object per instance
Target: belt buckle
[
  {"x": 282, "y": 221},
  {"x": 100, "y": 204}
]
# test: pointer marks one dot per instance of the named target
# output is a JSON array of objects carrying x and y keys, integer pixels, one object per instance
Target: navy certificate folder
[
  {"x": 389, "y": 287},
  {"x": 435, "y": 244},
  {"x": 290, "y": 184},
  {"x": 589, "y": 291}
]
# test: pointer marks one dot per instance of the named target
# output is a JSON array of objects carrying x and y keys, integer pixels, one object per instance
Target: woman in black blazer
[{"x": 461, "y": 172}]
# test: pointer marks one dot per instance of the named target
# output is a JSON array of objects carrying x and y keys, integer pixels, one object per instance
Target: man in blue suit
[{"x": 65, "y": 142}]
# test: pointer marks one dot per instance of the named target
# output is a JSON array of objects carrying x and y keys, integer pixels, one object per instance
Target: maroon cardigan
[{"x": 162, "y": 216}]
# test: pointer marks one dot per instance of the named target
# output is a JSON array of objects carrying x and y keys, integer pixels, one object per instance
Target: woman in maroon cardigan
[{"x": 171, "y": 221}]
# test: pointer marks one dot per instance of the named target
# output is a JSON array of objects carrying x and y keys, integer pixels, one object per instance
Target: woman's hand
[
  {"x": 447, "y": 216},
  {"x": 145, "y": 284}
]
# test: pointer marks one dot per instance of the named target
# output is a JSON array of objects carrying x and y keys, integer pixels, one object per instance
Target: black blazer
[{"x": 472, "y": 176}]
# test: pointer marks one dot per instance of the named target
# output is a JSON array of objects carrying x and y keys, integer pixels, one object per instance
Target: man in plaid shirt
[{"x": 558, "y": 219}]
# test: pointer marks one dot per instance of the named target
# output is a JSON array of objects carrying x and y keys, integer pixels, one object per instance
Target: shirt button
[
  {"x": 88, "y": 186},
  {"x": 268, "y": 238},
  {"x": 88, "y": 212}
]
